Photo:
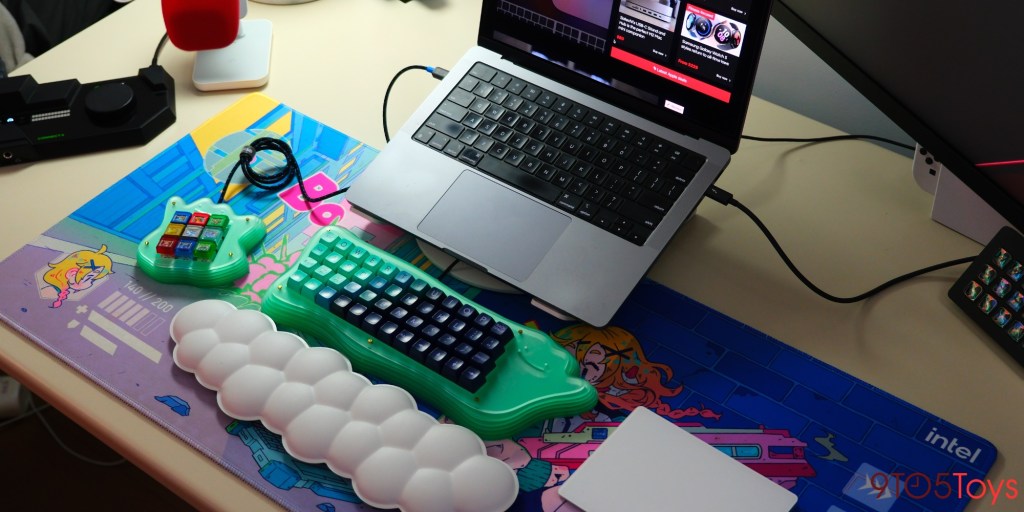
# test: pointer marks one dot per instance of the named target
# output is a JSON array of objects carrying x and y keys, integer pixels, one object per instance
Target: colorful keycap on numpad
[
  {"x": 201, "y": 243},
  {"x": 193, "y": 236},
  {"x": 395, "y": 321}
]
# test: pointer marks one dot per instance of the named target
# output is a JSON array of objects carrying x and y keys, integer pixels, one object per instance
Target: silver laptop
[{"x": 563, "y": 153}]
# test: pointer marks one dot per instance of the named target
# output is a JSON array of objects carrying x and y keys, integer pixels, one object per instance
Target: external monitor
[{"x": 949, "y": 74}]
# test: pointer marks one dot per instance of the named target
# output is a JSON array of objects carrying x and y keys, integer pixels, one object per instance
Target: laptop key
[
  {"x": 501, "y": 80},
  {"x": 454, "y": 148},
  {"x": 513, "y": 175},
  {"x": 469, "y": 83},
  {"x": 516, "y": 86},
  {"x": 444, "y": 125},
  {"x": 484, "y": 73},
  {"x": 461, "y": 97},
  {"x": 641, "y": 215},
  {"x": 471, "y": 156},
  {"x": 568, "y": 202},
  {"x": 438, "y": 142},
  {"x": 424, "y": 134},
  {"x": 452, "y": 111},
  {"x": 499, "y": 150}
]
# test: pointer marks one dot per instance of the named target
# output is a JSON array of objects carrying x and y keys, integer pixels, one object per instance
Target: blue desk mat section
[{"x": 837, "y": 442}]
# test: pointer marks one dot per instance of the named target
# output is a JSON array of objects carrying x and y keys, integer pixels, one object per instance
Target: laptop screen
[{"x": 688, "y": 65}]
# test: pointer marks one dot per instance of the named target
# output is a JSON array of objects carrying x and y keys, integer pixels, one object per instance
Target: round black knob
[{"x": 110, "y": 102}]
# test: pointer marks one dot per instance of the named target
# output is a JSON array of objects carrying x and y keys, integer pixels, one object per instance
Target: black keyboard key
[
  {"x": 461, "y": 98},
  {"x": 439, "y": 141},
  {"x": 569, "y": 202},
  {"x": 452, "y": 111},
  {"x": 516, "y": 86},
  {"x": 483, "y": 90},
  {"x": 638, "y": 235},
  {"x": 587, "y": 210},
  {"x": 436, "y": 358},
  {"x": 491, "y": 346},
  {"x": 519, "y": 179},
  {"x": 464, "y": 349},
  {"x": 420, "y": 349},
  {"x": 456, "y": 327},
  {"x": 639, "y": 214},
  {"x": 655, "y": 201},
  {"x": 471, "y": 156},
  {"x": 694, "y": 162},
  {"x": 502, "y": 332},
  {"x": 453, "y": 368},
  {"x": 469, "y": 83},
  {"x": 579, "y": 112},
  {"x": 498, "y": 150},
  {"x": 483, "y": 72},
  {"x": 424, "y": 135},
  {"x": 515, "y": 157},
  {"x": 469, "y": 137},
  {"x": 446, "y": 340},
  {"x": 403, "y": 340},
  {"x": 501, "y": 80},
  {"x": 482, "y": 360},
  {"x": 371, "y": 322},
  {"x": 471, "y": 379},
  {"x": 479, "y": 105},
  {"x": 444, "y": 125},
  {"x": 340, "y": 304},
  {"x": 529, "y": 109},
  {"x": 499, "y": 96},
  {"x": 355, "y": 313},
  {"x": 454, "y": 149},
  {"x": 547, "y": 99}
]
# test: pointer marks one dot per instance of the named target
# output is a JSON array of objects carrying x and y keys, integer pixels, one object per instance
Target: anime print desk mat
[{"x": 837, "y": 442}]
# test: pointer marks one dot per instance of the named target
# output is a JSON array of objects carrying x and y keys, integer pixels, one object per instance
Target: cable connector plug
[
  {"x": 437, "y": 72},
  {"x": 719, "y": 196},
  {"x": 247, "y": 154}
]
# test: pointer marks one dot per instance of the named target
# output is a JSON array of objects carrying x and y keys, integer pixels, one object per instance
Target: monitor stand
[{"x": 955, "y": 205}]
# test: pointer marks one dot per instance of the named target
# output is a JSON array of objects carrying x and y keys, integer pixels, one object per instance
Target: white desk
[{"x": 849, "y": 214}]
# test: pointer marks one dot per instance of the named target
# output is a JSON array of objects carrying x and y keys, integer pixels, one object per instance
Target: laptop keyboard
[{"x": 604, "y": 171}]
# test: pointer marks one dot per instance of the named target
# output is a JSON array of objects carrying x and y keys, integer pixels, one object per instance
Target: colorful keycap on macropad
[
  {"x": 395, "y": 321},
  {"x": 201, "y": 243}
]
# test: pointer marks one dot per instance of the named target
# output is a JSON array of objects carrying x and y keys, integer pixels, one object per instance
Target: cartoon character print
[
  {"x": 614, "y": 362},
  {"x": 75, "y": 272}
]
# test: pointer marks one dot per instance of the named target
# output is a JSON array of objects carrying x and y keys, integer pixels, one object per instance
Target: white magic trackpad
[{"x": 493, "y": 225}]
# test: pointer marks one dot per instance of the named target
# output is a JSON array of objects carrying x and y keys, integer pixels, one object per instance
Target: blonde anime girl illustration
[
  {"x": 76, "y": 272},
  {"x": 614, "y": 362}
]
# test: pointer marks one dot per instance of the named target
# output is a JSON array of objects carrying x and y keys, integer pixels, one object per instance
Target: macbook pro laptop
[{"x": 563, "y": 152}]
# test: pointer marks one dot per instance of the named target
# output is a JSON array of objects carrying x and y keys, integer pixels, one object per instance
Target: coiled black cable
[{"x": 274, "y": 180}]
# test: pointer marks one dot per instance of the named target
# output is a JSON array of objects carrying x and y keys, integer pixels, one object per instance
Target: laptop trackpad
[{"x": 493, "y": 225}]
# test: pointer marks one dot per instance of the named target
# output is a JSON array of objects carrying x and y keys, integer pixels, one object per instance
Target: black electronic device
[
  {"x": 56, "y": 119},
  {"x": 991, "y": 291}
]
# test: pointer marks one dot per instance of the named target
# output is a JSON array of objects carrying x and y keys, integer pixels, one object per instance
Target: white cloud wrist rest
[{"x": 396, "y": 455}]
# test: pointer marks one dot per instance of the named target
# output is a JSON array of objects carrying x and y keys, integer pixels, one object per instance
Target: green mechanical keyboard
[{"x": 395, "y": 321}]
